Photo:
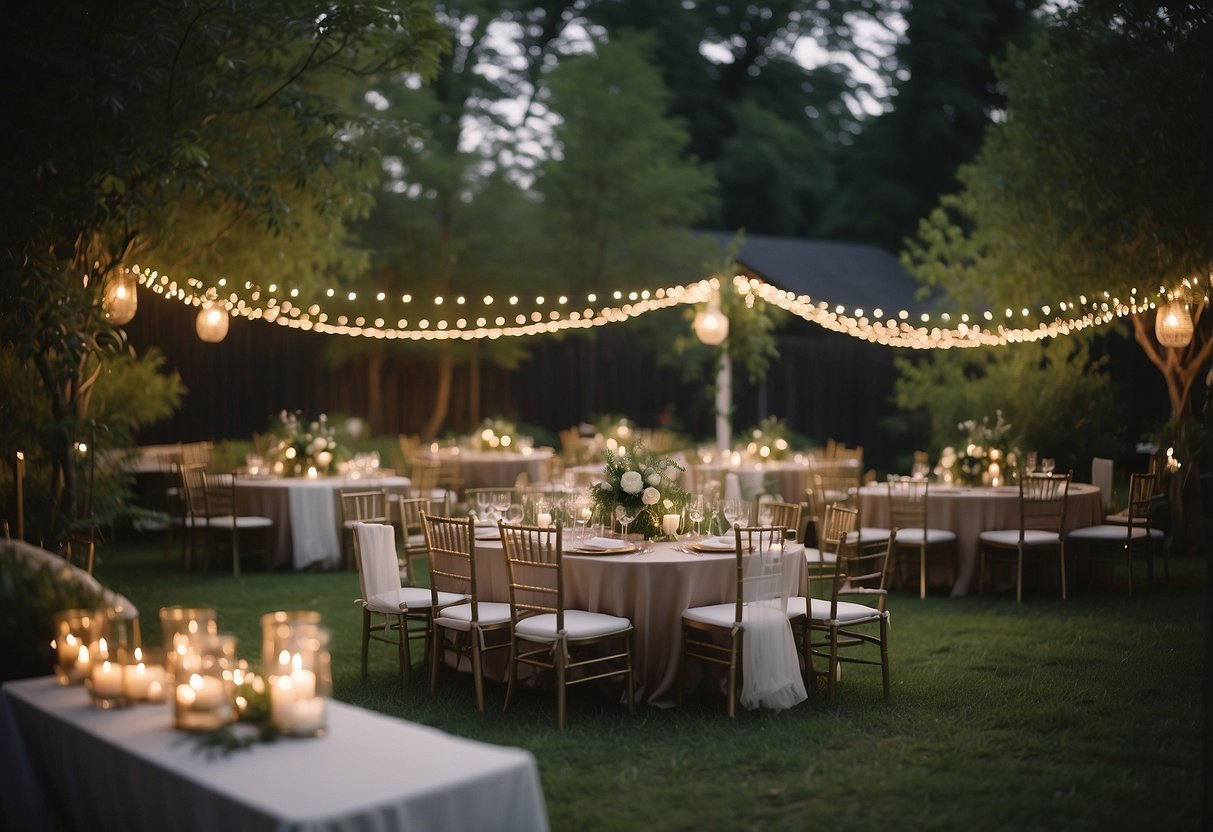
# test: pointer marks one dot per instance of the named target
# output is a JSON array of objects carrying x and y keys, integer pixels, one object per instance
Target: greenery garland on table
[{"x": 642, "y": 481}]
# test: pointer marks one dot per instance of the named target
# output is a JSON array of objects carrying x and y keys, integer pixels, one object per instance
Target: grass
[{"x": 1083, "y": 714}]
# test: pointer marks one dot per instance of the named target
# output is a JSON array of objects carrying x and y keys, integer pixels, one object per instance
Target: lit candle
[
  {"x": 107, "y": 679},
  {"x": 69, "y": 650},
  {"x": 137, "y": 678},
  {"x": 155, "y": 691},
  {"x": 669, "y": 524},
  {"x": 543, "y": 519},
  {"x": 311, "y": 472},
  {"x": 202, "y": 693},
  {"x": 83, "y": 663},
  {"x": 306, "y": 716}
]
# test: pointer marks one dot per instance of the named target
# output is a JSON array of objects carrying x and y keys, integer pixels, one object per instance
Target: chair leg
[
  {"x": 436, "y": 658},
  {"x": 366, "y": 638},
  {"x": 1061, "y": 554},
  {"x": 631, "y": 676},
  {"x": 406, "y": 660},
  {"x": 477, "y": 669},
  {"x": 884, "y": 655},
  {"x": 513, "y": 673},
  {"x": 1019, "y": 577},
  {"x": 682, "y": 668},
  {"x": 235, "y": 553},
  {"x": 807, "y": 647},
  {"x": 922, "y": 572},
  {"x": 561, "y": 689},
  {"x": 832, "y": 682},
  {"x": 735, "y": 648}
]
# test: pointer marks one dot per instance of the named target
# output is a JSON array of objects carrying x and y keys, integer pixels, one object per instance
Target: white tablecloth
[
  {"x": 128, "y": 770},
  {"x": 306, "y": 512}
]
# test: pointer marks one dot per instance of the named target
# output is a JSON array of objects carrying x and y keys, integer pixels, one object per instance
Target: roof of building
[{"x": 855, "y": 275}]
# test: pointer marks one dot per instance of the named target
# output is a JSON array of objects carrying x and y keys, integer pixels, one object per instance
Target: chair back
[
  {"x": 80, "y": 551},
  {"x": 1101, "y": 478},
  {"x": 534, "y": 558},
  {"x": 1042, "y": 502},
  {"x": 220, "y": 494},
  {"x": 1141, "y": 499},
  {"x": 375, "y": 555},
  {"x": 779, "y": 513},
  {"x": 368, "y": 506},
  {"x": 449, "y": 546},
  {"x": 838, "y": 522},
  {"x": 832, "y": 488},
  {"x": 760, "y": 566},
  {"x": 863, "y": 571},
  {"x": 412, "y": 510},
  {"x": 908, "y": 503},
  {"x": 193, "y": 487}
]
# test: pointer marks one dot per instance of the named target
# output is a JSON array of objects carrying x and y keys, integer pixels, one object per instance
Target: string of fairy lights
[{"x": 459, "y": 317}]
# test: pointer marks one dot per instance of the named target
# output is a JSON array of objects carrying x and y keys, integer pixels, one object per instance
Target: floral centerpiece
[
  {"x": 297, "y": 445},
  {"x": 495, "y": 435},
  {"x": 979, "y": 454},
  {"x": 643, "y": 482},
  {"x": 770, "y": 439}
]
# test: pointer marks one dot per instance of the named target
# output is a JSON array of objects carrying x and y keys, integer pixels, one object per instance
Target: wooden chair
[
  {"x": 908, "y": 498},
  {"x": 412, "y": 533},
  {"x": 835, "y": 625},
  {"x": 437, "y": 478},
  {"x": 715, "y": 633},
  {"x": 226, "y": 525},
  {"x": 80, "y": 550},
  {"x": 359, "y": 506},
  {"x": 194, "y": 520},
  {"x": 821, "y": 560},
  {"x": 1042, "y": 515},
  {"x": 843, "y": 489},
  {"x": 548, "y": 635},
  {"x": 780, "y": 513},
  {"x": 1118, "y": 544},
  {"x": 382, "y": 594},
  {"x": 449, "y": 544}
]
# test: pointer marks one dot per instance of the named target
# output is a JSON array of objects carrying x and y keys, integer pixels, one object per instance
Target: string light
[{"x": 934, "y": 330}]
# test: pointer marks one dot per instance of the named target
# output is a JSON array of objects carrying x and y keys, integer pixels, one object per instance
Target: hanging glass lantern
[
  {"x": 120, "y": 299},
  {"x": 1173, "y": 324},
  {"x": 212, "y": 323},
  {"x": 710, "y": 325}
]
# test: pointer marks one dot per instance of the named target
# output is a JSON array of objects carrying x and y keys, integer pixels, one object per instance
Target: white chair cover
[
  {"x": 1101, "y": 477},
  {"x": 732, "y": 486},
  {"x": 380, "y": 570},
  {"x": 770, "y": 666}
]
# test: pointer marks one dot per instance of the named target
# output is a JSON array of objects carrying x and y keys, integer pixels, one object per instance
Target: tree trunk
[
  {"x": 442, "y": 394},
  {"x": 374, "y": 391},
  {"x": 474, "y": 386}
]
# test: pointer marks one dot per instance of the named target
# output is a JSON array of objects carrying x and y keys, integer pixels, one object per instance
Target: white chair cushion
[
  {"x": 1031, "y": 537},
  {"x": 914, "y": 537},
  {"x": 577, "y": 623},
  {"x": 718, "y": 615},
  {"x": 848, "y": 612},
  {"x": 415, "y": 540},
  {"x": 459, "y": 617},
  {"x": 868, "y": 534},
  {"x": 413, "y": 597},
  {"x": 242, "y": 521},
  {"x": 815, "y": 557},
  {"x": 1105, "y": 531}
]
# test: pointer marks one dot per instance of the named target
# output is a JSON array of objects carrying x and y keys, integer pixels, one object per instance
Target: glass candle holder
[
  {"x": 144, "y": 677},
  {"x": 74, "y": 633},
  {"x": 251, "y": 697},
  {"x": 277, "y": 629},
  {"x": 301, "y": 682},
  {"x": 177, "y": 626},
  {"x": 116, "y": 636},
  {"x": 203, "y": 687}
]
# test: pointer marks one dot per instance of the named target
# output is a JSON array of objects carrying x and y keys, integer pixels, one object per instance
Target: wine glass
[
  {"x": 734, "y": 510},
  {"x": 625, "y": 515},
  {"x": 513, "y": 512},
  {"x": 696, "y": 509},
  {"x": 1047, "y": 465},
  {"x": 501, "y": 502},
  {"x": 484, "y": 500},
  {"x": 1030, "y": 462}
]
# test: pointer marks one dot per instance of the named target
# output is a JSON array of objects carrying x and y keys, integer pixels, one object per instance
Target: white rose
[
  {"x": 650, "y": 496},
  {"x": 631, "y": 482},
  {"x": 654, "y": 478}
]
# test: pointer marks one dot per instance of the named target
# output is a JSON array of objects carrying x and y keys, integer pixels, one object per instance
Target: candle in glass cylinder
[
  {"x": 669, "y": 524},
  {"x": 139, "y": 677},
  {"x": 543, "y": 519}
]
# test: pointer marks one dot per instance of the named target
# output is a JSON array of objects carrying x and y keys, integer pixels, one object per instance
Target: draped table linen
[
  {"x": 63, "y": 760},
  {"x": 969, "y": 511}
]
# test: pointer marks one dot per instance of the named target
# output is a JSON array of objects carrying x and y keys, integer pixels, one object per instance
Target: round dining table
[
  {"x": 970, "y": 510},
  {"x": 496, "y": 469},
  {"x": 651, "y": 589},
  {"x": 306, "y": 512}
]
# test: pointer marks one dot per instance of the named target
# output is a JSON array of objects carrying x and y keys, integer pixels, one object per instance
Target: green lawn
[{"x": 1083, "y": 714}]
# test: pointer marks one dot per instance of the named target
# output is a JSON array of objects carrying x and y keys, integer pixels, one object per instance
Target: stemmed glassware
[
  {"x": 734, "y": 510},
  {"x": 1030, "y": 462},
  {"x": 582, "y": 512},
  {"x": 483, "y": 502},
  {"x": 1047, "y": 465},
  {"x": 501, "y": 502},
  {"x": 625, "y": 515},
  {"x": 696, "y": 509}
]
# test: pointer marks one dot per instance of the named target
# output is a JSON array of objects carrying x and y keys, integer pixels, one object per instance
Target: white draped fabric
[{"x": 770, "y": 665}]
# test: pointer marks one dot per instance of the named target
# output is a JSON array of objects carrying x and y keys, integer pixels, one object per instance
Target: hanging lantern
[
  {"x": 120, "y": 299},
  {"x": 711, "y": 326},
  {"x": 212, "y": 323},
  {"x": 1173, "y": 324}
]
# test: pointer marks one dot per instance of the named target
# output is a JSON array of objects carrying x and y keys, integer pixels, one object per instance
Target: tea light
[
  {"x": 155, "y": 691},
  {"x": 543, "y": 519},
  {"x": 202, "y": 693},
  {"x": 106, "y": 680},
  {"x": 139, "y": 677},
  {"x": 311, "y": 472},
  {"x": 307, "y": 716},
  {"x": 83, "y": 663},
  {"x": 669, "y": 524}
]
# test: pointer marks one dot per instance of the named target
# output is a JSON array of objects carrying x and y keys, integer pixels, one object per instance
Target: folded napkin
[
  {"x": 605, "y": 543},
  {"x": 723, "y": 542},
  {"x": 486, "y": 533}
]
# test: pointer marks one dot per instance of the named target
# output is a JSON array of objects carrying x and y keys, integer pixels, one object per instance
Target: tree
[{"x": 205, "y": 136}]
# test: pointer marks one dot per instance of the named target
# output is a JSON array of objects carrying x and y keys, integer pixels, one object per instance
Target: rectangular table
[{"x": 62, "y": 760}]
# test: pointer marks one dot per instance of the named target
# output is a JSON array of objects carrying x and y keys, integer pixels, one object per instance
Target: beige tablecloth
[
  {"x": 651, "y": 589},
  {"x": 62, "y": 759},
  {"x": 306, "y": 513},
  {"x": 496, "y": 469},
  {"x": 971, "y": 511}
]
